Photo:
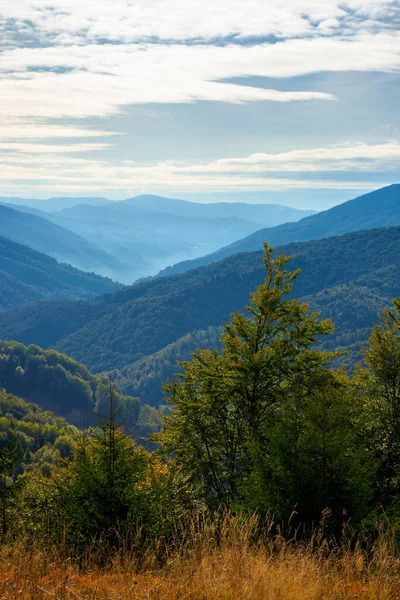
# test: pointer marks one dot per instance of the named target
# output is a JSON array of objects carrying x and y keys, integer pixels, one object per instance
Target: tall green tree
[{"x": 243, "y": 418}]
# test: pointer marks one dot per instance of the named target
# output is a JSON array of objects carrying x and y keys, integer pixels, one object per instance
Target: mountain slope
[
  {"x": 350, "y": 277},
  {"x": 56, "y": 382},
  {"x": 58, "y": 242},
  {"x": 380, "y": 208},
  {"x": 148, "y": 233},
  {"x": 149, "y": 237},
  {"x": 27, "y": 275}
]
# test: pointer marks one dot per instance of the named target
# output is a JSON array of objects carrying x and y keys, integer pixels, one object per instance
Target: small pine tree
[{"x": 101, "y": 493}]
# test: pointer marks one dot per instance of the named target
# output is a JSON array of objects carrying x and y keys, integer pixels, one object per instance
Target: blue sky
[{"x": 291, "y": 101}]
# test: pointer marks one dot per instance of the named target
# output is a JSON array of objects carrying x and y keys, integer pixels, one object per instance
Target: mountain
[
  {"x": 53, "y": 204},
  {"x": 27, "y": 276},
  {"x": 60, "y": 243},
  {"x": 151, "y": 232},
  {"x": 380, "y": 208},
  {"x": 266, "y": 214},
  {"x": 350, "y": 278},
  {"x": 149, "y": 237}
]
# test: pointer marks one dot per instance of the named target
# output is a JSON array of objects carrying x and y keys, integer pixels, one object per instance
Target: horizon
[{"x": 203, "y": 199}]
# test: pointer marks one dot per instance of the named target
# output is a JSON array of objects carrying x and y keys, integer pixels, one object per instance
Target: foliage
[
  {"x": 42, "y": 437},
  {"x": 379, "y": 382},
  {"x": 144, "y": 378},
  {"x": 109, "y": 493},
  {"x": 58, "y": 383},
  {"x": 264, "y": 424}
]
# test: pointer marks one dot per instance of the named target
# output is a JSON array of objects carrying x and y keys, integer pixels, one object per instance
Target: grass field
[{"x": 201, "y": 569}]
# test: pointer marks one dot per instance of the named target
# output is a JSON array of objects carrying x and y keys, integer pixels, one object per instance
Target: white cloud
[
  {"x": 104, "y": 78},
  {"x": 22, "y": 130},
  {"x": 66, "y": 21},
  {"x": 70, "y": 59},
  {"x": 50, "y": 148},
  {"x": 289, "y": 170}
]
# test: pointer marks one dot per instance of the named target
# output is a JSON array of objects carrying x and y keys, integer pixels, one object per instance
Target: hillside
[
  {"x": 151, "y": 232},
  {"x": 150, "y": 238},
  {"x": 56, "y": 382},
  {"x": 27, "y": 276},
  {"x": 56, "y": 241},
  {"x": 380, "y": 208},
  {"x": 145, "y": 377},
  {"x": 350, "y": 277},
  {"x": 42, "y": 436}
]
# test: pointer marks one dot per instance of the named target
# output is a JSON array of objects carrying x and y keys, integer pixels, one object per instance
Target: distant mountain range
[
  {"x": 27, "y": 276},
  {"x": 380, "y": 208},
  {"x": 62, "y": 244},
  {"x": 54, "y": 204},
  {"x": 144, "y": 234},
  {"x": 350, "y": 278}
]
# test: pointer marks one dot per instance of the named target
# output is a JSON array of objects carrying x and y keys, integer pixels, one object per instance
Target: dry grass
[{"x": 234, "y": 569}]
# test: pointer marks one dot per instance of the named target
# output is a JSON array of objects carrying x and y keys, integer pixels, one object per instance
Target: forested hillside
[
  {"x": 58, "y": 383},
  {"x": 41, "y": 437},
  {"x": 349, "y": 277},
  {"x": 145, "y": 377},
  {"x": 27, "y": 275},
  {"x": 380, "y": 208}
]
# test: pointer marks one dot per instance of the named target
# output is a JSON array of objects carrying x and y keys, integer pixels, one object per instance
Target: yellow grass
[{"x": 234, "y": 569}]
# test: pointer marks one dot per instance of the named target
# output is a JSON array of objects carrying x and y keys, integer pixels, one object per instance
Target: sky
[{"x": 288, "y": 101}]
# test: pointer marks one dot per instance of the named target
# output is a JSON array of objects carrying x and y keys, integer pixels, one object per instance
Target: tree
[
  {"x": 101, "y": 494},
  {"x": 379, "y": 383},
  {"x": 9, "y": 454},
  {"x": 233, "y": 409}
]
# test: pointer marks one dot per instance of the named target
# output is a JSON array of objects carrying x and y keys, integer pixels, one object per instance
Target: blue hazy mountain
[
  {"x": 150, "y": 232},
  {"x": 60, "y": 243},
  {"x": 27, "y": 275},
  {"x": 54, "y": 204},
  {"x": 380, "y": 208},
  {"x": 268, "y": 214}
]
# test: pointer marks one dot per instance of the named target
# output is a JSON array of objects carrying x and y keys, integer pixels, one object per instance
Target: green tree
[
  {"x": 244, "y": 418},
  {"x": 101, "y": 497},
  {"x": 379, "y": 383},
  {"x": 9, "y": 454}
]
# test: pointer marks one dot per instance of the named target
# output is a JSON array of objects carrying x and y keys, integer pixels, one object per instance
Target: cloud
[
  {"x": 288, "y": 170},
  {"x": 50, "y": 148},
  {"x": 23, "y": 130},
  {"x": 74, "y": 21},
  {"x": 64, "y": 61},
  {"x": 101, "y": 79}
]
